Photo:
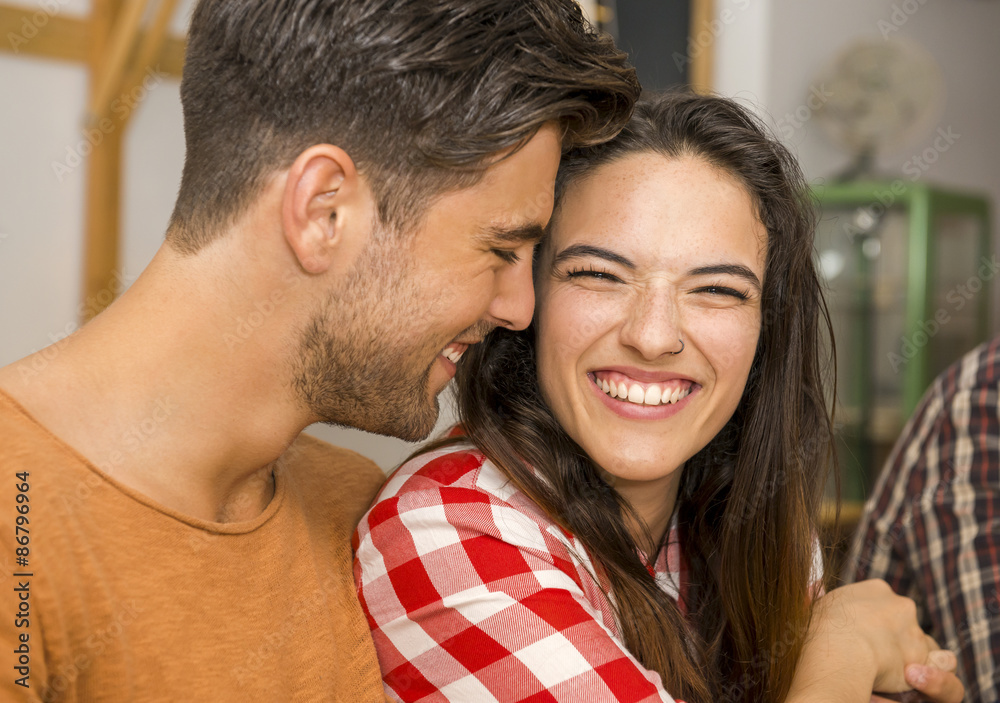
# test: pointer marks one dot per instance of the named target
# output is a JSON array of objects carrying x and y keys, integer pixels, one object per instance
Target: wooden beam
[
  {"x": 702, "y": 76},
  {"x": 171, "y": 58},
  {"x": 37, "y": 33},
  {"x": 28, "y": 32},
  {"x": 150, "y": 45},
  {"x": 124, "y": 36},
  {"x": 103, "y": 204}
]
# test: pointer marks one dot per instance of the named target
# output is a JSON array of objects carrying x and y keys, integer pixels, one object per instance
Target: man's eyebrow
[
  {"x": 521, "y": 234},
  {"x": 728, "y": 269},
  {"x": 575, "y": 251}
]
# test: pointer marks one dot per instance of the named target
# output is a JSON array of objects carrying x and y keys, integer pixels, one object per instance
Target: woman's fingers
[
  {"x": 942, "y": 659},
  {"x": 936, "y": 685},
  {"x": 871, "y": 613}
]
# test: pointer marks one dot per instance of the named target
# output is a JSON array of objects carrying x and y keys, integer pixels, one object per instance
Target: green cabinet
[{"x": 908, "y": 269}]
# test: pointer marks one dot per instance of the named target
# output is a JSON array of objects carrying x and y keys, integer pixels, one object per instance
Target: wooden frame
[
  {"x": 117, "y": 51},
  {"x": 69, "y": 39},
  {"x": 701, "y": 13},
  {"x": 702, "y": 74}
]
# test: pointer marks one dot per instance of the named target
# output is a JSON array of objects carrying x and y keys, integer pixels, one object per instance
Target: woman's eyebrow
[
  {"x": 575, "y": 251},
  {"x": 728, "y": 269}
]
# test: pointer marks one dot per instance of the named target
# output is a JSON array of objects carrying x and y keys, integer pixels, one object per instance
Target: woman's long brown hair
[{"x": 748, "y": 502}]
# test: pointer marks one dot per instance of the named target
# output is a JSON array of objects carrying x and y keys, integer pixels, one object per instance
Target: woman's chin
[{"x": 641, "y": 467}]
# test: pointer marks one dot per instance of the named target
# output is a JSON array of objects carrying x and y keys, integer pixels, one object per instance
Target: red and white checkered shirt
[{"x": 473, "y": 594}]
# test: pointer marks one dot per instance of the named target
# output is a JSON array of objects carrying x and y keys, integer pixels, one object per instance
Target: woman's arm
[{"x": 864, "y": 637}]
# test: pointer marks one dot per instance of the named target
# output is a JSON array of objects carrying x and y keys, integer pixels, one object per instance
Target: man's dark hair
[{"x": 418, "y": 92}]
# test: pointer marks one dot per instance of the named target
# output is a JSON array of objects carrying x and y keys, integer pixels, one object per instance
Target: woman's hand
[
  {"x": 863, "y": 637},
  {"x": 881, "y": 627},
  {"x": 935, "y": 681}
]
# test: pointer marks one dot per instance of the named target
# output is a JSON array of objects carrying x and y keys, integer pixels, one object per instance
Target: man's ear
[{"x": 319, "y": 202}]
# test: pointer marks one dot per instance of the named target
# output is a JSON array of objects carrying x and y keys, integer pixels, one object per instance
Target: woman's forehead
[{"x": 658, "y": 209}]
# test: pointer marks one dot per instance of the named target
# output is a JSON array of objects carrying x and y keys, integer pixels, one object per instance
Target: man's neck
[{"x": 156, "y": 394}]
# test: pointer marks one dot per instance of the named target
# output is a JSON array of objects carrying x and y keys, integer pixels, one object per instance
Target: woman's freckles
[{"x": 649, "y": 312}]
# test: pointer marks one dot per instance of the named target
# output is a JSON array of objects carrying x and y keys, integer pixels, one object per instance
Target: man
[
  {"x": 363, "y": 187},
  {"x": 932, "y": 527}
]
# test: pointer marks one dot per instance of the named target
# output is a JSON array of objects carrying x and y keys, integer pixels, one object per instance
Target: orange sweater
[{"x": 126, "y": 600}]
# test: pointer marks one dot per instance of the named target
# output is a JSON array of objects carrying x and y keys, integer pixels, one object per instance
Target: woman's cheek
[
  {"x": 727, "y": 338},
  {"x": 573, "y": 319}
]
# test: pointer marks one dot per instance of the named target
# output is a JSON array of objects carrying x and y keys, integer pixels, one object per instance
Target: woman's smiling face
[{"x": 644, "y": 252}]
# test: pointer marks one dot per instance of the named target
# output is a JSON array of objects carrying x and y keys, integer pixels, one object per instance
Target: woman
[{"x": 631, "y": 512}]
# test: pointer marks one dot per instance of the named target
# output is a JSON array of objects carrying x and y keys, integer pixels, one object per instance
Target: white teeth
[
  {"x": 453, "y": 355},
  {"x": 636, "y": 394},
  {"x": 652, "y": 395}
]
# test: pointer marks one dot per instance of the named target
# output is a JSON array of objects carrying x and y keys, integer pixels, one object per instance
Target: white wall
[
  {"x": 40, "y": 218},
  {"x": 42, "y": 179},
  {"x": 773, "y": 50},
  {"x": 743, "y": 49},
  {"x": 589, "y": 9}
]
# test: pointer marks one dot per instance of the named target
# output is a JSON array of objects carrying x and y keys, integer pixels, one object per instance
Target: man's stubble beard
[{"x": 362, "y": 363}]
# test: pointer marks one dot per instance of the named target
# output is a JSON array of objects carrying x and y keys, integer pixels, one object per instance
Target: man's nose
[{"x": 514, "y": 302}]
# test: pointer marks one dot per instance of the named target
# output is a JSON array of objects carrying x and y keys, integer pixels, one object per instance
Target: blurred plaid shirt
[{"x": 932, "y": 526}]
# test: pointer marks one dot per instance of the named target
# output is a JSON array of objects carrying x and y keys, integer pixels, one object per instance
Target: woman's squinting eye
[
  {"x": 592, "y": 272},
  {"x": 725, "y": 291}
]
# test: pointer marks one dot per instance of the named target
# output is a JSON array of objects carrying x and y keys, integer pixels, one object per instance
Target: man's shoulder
[
  {"x": 980, "y": 368},
  {"x": 340, "y": 480},
  {"x": 307, "y": 449},
  {"x": 977, "y": 370},
  {"x": 15, "y": 420},
  {"x": 27, "y": 445}
]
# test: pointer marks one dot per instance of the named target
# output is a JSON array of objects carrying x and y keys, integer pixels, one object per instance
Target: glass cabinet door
[{"x": 907, "y": 283}]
